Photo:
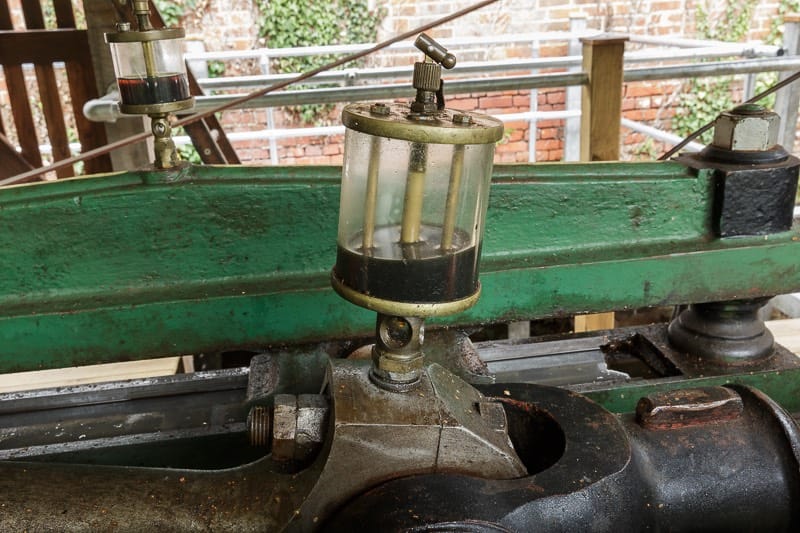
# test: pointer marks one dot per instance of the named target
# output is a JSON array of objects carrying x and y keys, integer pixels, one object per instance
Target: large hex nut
[
  {"x": 284, "y": 427},
  {"x": 312, "y": 418},
  {"x": 747, "y": 128}
]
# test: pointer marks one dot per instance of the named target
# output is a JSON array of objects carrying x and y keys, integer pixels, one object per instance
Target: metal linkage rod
[{"x": 255, "y": 94}]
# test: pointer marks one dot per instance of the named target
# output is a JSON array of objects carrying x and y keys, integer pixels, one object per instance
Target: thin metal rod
[
  {"x": 453, "y": 190},
  {"x": 695, "y": 134},
  {"x": 371, "y": 196},
  {"x": 415, "y": 192},
  {"x": 238, "y": 101}
]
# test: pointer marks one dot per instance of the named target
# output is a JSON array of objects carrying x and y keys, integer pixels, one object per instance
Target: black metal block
[{"x": 755, "y": 200}]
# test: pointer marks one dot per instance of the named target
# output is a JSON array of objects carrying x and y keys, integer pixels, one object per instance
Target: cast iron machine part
[
  {"x": 151, "y": 76},
  {"x": 755, "y": 181}
]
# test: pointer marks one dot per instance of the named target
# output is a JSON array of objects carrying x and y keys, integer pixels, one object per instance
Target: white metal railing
[{"x": 484, "y": 78}]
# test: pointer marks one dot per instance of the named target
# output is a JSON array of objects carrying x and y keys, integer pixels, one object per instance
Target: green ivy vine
[
  {"x": 289, "y": 23},
  {"x": 704, "y": 98}
]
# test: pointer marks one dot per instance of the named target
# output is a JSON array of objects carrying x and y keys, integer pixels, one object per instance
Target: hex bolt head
[
  {"x": 747, "y": 128},
  {"x": 462, "y": 118},
  {"x": 379, "y": 109},
  {"x": 284, "y": 427}
]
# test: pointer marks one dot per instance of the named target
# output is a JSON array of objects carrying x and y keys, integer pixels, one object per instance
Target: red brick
[
  {"x": 522, "y": 100},
  {"x": 500, "y": 102},
  {"x": 548, "y": 144},
  {"x": 556, "y": 97},
  {"x": 548, "y": 133},
  {"x": 512, "y": 146}
]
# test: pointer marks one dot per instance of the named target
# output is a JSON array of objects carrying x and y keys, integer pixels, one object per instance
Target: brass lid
[
  {"x": 448, "y": 126},
  {"x": 145, "y": 36},
  {"x": 162, "y": 107},
  {"x": 391, "y": 307}
]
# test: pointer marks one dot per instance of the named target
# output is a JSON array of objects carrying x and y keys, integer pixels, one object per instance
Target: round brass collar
[{"x": 448, "y": 126}]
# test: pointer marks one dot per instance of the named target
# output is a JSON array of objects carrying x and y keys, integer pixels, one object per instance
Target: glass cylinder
[
  {"x": 413, "y": 202},
  {"x": 150, "y": 70}
]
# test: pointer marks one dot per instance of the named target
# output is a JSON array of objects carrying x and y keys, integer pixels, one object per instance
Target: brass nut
[
  {"x": 379, "y": 109},
  {"x": 395, "y": 365},
  {"x": 462, "y": 118},
  {"x": 747, "y": 128}
]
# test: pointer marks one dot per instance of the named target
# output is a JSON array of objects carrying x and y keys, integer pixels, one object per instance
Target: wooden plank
[
  {"x": 601, "y": 105},
  {"x": 594, "y": 322},
  {"x": 212, "y": 150},
  {"x": 81, "y": 375},
  {"x": 49, "y": 95},
  {"x": 11, "y": 162},
  {"x": 18, "y": 95},
  {"x": 65, "y": 18},
  {"x": 42, "y": 46},
  {"x": 786, "y": 333},
  {"x": 21, "y": 111},
  {"x": 80, "y": 77}
]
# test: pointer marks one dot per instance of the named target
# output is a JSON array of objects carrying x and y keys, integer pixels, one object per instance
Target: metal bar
[
  {"x": 660, "y": 135},
  {"x": 692, "y": 43},
  {"x": 453, "y": 191},
  {"x": 404, "y": 72},
  {"x": 371, "y": 194},
  {"x": 119, "y": 391},
  {"x": 385, "y": 92},
  {"x": 351, "y": 48},
  {"x": 318, "y": 131},
  {"x": 572, "y": 126},
  {"x": 723, "y": 68}
]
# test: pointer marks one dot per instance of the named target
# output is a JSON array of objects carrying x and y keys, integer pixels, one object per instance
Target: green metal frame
[{"x": 144, "y": 264}]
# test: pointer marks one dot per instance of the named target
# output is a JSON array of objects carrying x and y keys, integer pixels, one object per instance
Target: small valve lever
[{"x": 435, "y": 51}]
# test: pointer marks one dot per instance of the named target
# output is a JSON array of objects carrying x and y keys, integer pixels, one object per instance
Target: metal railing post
[
  {"x": 572, "y": 126},
  {"x": 534, "y": 106},
  {"x": 273, "y": 142},
  {"x": 788, "y": 99}
]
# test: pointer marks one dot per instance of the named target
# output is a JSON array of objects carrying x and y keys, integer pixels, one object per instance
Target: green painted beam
[
  {"x": 144, "y": 264},
  {"x": 783, "y": 386}
]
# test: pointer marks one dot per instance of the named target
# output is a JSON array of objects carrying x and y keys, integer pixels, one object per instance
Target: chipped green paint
[{"x": 143, "y": 264}]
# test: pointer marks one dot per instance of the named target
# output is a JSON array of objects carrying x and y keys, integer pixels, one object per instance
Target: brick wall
[
  {"x": 230, "y": 25},
  {"x": 652, "y": 103}
]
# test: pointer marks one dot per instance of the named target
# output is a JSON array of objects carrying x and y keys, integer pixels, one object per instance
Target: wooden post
[
  {"x": 601, "y": 101},
  {"x": 601, "y": 107},
  {"x": 788, "y": 99}
]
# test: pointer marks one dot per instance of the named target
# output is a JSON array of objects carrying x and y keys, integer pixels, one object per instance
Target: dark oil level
[
  {"x": 442, "y": 278},
  {"x": 153, "y": 89}
]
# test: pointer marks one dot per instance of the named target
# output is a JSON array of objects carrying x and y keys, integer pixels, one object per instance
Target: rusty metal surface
[{"x": 687, "y": 407}]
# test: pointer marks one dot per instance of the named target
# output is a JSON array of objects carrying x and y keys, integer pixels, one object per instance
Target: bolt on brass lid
[{"x": 448, "y": 126}]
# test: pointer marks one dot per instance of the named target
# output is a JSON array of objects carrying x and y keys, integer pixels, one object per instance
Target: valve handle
[{"x": 435, "y": 51}]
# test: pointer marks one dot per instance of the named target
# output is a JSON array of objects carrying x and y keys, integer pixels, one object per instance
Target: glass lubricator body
[{"x": 415, "y": 186}]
